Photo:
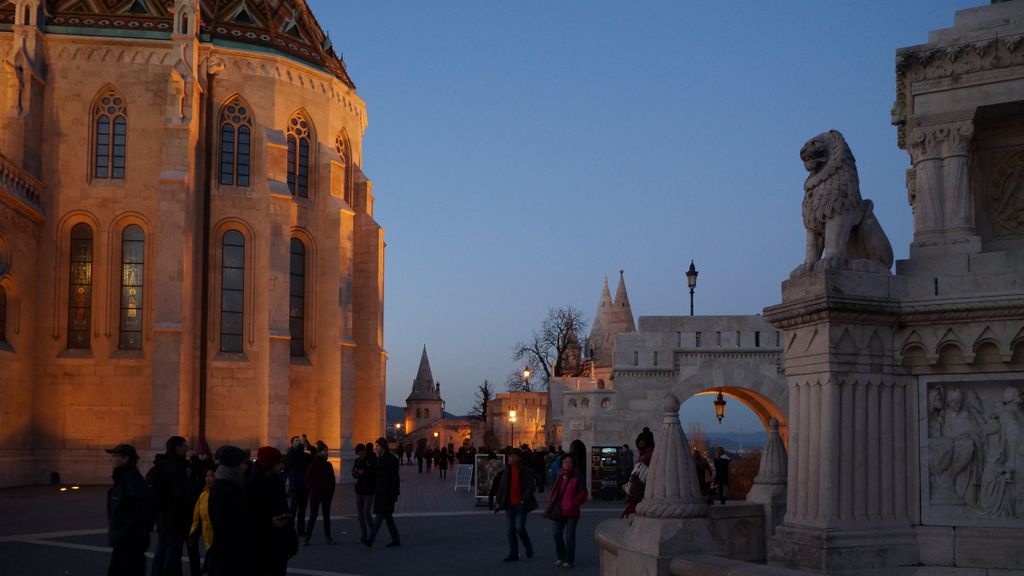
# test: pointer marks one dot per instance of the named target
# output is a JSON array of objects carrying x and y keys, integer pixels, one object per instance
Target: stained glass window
[
  {"x": 232, "y": 291},
  {"x": 80, "y": 287},
  {"x": 235, "y": 142},
  {"x": 133, "y": 243},
  {"x": 297, "y": 297},
  {"x": 110, "y": 125},
  {"x": 298, "y": 155}
]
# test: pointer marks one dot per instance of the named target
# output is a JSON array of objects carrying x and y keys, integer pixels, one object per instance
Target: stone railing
[{"x": 20, "y": 186}]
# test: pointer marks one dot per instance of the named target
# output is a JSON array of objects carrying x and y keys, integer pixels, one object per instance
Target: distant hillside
[{"x": 734, "y": 441}]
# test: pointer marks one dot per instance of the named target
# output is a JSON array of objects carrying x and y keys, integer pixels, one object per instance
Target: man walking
[
  {"x": 385, "y": 493},
  {"x": 171, "y": 481},
  {"x": 130, "y": 507},
  {"x": 516, "y": 496}
]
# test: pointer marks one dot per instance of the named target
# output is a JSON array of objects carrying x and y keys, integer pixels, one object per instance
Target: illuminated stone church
[{"x": 187, "y": 242}]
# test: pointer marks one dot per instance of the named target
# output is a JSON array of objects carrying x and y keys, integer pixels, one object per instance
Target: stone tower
[
  {"x": 612, "y": 317},
  {"x": 424, "y": 404}
]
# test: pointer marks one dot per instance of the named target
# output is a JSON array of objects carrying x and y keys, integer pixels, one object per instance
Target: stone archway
[{"x": 762, "y": 407}]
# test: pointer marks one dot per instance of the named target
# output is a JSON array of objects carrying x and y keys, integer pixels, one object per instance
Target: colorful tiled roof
[{"x": 286, "y": 26}]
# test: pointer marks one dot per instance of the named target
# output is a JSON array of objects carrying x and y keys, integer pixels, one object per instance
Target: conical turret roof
[
  {"x": 622, "y": 314},
  {"x": 602, "y": 322},
  {"x": 423, "y": 386}
]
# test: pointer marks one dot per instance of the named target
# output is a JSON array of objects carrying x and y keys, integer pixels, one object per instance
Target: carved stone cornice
[
  {"x": 971, "y": 311},
  {"x": 929, "y": 62},
  {"x": 852, "y": 311}
]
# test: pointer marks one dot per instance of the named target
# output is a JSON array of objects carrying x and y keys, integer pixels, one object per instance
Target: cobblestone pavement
[{"x": 46, "y": 532}]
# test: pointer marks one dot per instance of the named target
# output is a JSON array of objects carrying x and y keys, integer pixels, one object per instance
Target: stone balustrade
[{"x": 20, "y": 187}]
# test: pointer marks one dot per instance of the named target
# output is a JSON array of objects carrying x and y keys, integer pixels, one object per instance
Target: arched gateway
[{"x": 682, "y": 355}]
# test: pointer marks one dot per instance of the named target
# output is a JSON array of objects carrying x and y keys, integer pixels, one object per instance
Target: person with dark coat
[
  {"x": 296, "y": 464},
  {"x": 229, "y": 555},
  {"x": 320, "y": 480},
  {"x": 266, "y": 509},
  {"x": 722, "y": 473},
  {"x": 387, "y": 489},
  {"x": 366, "y": 484},
  {"x": 703, "y": 475},
  {"x": 638, "y": 477},
  {"x": 516, "y": 495},
  {"x": 171, "y": 479},
  {"x": 442, "y": 463},
  {"x": 131, "y": 505}
]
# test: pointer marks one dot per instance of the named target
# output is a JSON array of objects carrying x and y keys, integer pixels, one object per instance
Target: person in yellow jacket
[{"x": 201, "y": 521}]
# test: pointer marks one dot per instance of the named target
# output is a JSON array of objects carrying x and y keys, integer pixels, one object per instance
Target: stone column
[
  {"x": 943, "y": 211},
  {"x": 672, "y": 519},
  {"x": 852, "y": 481}
]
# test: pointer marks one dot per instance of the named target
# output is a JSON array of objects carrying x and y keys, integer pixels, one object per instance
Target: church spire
[
  {"x": 598, "y": 347},
  {"x": 423, "y": 386},
  {"x": 622, "y": 313}
]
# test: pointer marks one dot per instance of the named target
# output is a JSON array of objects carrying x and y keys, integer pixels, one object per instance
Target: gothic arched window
[
  {"x": 232, "y": 291},
  {"x": 235, "y": 143},
  {"x": 80, "y": 287},
  {"x": 297, "y": 296},
  {"x": 133, "y": 243},
  {"x": 426, "y": 412},
  {"x": 110, "y": 133},
  {"x": 419, "y": 413},
  {"x": 299, "y": 141}
]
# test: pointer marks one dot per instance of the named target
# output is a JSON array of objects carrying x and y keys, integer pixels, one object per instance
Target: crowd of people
[
  {"x": 249, "y": 514},
  {"x": 252, "y": 514}
]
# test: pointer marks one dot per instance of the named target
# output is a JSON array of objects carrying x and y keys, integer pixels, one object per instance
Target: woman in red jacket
[{"x": 567, "y": 495}]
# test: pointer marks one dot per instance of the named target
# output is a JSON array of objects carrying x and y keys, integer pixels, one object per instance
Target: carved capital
[{"x": 937, "y": 142}]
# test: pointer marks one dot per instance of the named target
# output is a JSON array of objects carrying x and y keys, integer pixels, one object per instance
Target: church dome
[{"x": 284, "y": 26}]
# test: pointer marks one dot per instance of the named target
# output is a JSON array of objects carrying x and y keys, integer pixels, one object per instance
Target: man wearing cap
[{"x": 131, "y": 506}]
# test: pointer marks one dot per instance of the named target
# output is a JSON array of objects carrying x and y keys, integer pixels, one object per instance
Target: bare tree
[
  {"x": 484, "y": 394},
  {"x": 552, "y": 351}
]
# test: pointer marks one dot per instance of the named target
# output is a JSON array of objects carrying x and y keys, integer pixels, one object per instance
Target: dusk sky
[{"x": 522, "y": 151}]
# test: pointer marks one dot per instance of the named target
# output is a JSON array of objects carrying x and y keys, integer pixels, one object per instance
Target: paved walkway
[{"x": 44, "y": 531}]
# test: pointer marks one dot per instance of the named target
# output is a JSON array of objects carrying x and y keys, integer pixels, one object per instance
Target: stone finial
[
  {"x": 774, "y": 461},
  {"x": 672, "y": 490}
]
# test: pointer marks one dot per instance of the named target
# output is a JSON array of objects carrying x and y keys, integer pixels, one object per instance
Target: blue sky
[{"x": 521, "y": 151}]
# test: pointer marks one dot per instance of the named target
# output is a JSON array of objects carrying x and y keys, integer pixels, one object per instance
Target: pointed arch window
[
  {"x": 297, "y": 297},
  {"x": 110, "y": 136},
  {"x": 232, "y": 291},
  {"x": 299, "y": 132},
  {"x": 235, "y": 143},
  {"x": 341, "y": 145},
  {"x": 419, "y": 413},
  {"x": 80, "y": 288},
  {"x": 133, "y": 244}
]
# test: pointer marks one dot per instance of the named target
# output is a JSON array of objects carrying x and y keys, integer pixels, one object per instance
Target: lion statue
[{"x": 842, "y": 231}]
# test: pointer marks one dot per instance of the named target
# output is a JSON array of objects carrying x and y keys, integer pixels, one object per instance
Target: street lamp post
[
  {"x": 512, "y": 430},
  {"x": 691, "y": 281}
]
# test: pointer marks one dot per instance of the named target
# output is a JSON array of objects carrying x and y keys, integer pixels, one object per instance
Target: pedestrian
[
  {"x": 201, "y": 525},
  {"x": 131, "y": 507},
  {"x": 228, "y": 553},
  {"x": 567, "y": 495},
  {"x": 386, "y": 490},
  {"x": 703, "y": 475},
  {"x": 273, "y": 540},
  {"x": 442, "y": 463},
  {"x": 516, "y": 496},
  {"x": 171, "y": 480},
  {"x": 722, "y": 473},
  {"x": 366, "y": 484},
  {"x": 420, "y": 456},
  {"x": 634, "y": 489},
  {"x": 296, "y": 464},
  {"x": 320, "y": 479}
]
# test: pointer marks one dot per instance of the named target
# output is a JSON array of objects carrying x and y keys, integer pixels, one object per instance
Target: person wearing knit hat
[
  {"x": 273, "y": 540},
  {"x": 229, "y": 550},
  {"x": 634, "y": 489}
]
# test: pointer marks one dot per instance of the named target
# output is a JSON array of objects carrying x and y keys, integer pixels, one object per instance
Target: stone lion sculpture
[{"x": 842, "y": 231}]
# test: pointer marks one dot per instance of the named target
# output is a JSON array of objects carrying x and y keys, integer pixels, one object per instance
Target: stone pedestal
[
  {"x": 649, "y": 544},
  {"x": 852, "y": 483}
]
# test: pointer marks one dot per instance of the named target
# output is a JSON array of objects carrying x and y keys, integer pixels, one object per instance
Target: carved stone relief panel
[
  {"x": 997, "y": 177},
  {"x": 972, "y": 450}
]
